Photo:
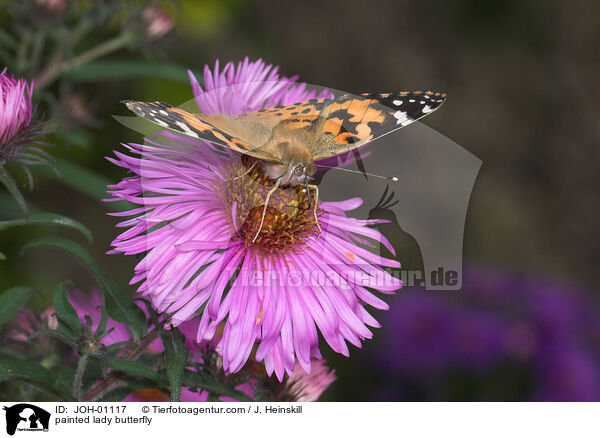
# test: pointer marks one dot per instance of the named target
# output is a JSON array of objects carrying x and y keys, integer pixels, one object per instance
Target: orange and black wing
[
  {"x": 216, "y": 129},
  {"x": 349, "y": 121}
]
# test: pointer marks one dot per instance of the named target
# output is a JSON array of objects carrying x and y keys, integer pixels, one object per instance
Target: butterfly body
[
  {"x": 293, "y": 147},
  {"x": 288, "y": 140}
]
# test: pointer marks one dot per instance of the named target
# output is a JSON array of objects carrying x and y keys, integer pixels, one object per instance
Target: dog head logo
[{"x": 26, "y": 417}]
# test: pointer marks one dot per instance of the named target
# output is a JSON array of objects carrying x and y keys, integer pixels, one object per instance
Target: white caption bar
[{"x": 303, "y": 419}]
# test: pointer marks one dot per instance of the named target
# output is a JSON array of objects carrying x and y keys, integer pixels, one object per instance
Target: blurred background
[{"x": 522, "y": 80}]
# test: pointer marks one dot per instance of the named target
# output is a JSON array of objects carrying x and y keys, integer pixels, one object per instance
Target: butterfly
[{"x": 287, "y": 140}]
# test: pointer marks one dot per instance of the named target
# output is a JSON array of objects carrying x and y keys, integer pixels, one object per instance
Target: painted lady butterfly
[{"x": 288, "y": 140}]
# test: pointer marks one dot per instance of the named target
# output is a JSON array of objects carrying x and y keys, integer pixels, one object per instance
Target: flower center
[{"x": 289, "y": 217}]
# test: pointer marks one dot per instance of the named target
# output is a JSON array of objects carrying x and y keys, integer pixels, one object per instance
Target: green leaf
[
  {"x": 119, "y": 307},
  {"x": 102, "y": 324},
  {"x": 55, "y": 334},
  {"x": 10, "y": 353},
  {"x": 48, "y": 219},
  {"x": 11, "y": 210},
  {"x": 136, "y": 369},
  {"x": 12, "y": 188},
  {"x": 11, "y": 302},
  {"x": 193, "y": 379},
  {"x": 176, "y": 355},
  {"x": 107, "y": 70},
  {"x": 114, "y": 348},
  {"x": 64, "y": 310},
  {"x": 34, "y": 374},
  {"x": 141, "y": 383},
  {"x": 116, "y": 395}
]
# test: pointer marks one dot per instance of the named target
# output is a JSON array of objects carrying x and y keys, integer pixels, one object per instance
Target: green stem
[
  {"x": 78, "y": 32},
  {"x": 77, "y": 383},
  {"x": 39, "y": 40},
  {"x": 59, "y": 66},
  {"x": 100, "y": 50},
  {"x": 22, "y": 52},
  {"x": 13, "y": 189}
]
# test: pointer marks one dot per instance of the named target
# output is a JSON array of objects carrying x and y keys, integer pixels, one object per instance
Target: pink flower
[
  {"x": 303, "y": 387},
  {"x": 195, "y": 223},
  {"x": 89, "y": 304},
  {"x": 18, "y": 125},
  {"x": 52, "y": 5},
  {"x": 27, "y": 322},
  {"x": 157, "y": 22},
  {"x": 15, "y": 108}
]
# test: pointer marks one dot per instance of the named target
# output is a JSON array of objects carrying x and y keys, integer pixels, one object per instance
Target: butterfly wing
[
  {"x": 262, "y": 128},
  {"x": 337, "y": 125},
  {"x": 349, "y": 121},
  {"x": 299, "y": 117},
  {"x": 240, "y": 136}
]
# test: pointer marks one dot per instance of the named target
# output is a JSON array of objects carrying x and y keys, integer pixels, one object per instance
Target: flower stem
[
  {"x": 39, "y": 40},
  {"x": 22, "y": 52},
  {"x": 100, "y": 50},
  {"x": 81, "y": 365},
  {"x": 59, "y": 66}
]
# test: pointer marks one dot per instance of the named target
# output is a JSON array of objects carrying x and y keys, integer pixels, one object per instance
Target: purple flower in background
[
  {"x": 15, "y": 111},
  {"x": 477, "y": 341},
  {"x": 514, "y": 336},
  {"x": 300, "y": 387},
  {"x": 198, "y": 210},
  {"x": 157, "y": 21},
  {"x": 421, "y": 336},
  {"x": 25, "y": 323},
  {"x": 88, "y": 304},
  {"x": 303, "y": 387},
  {"x": 18, "y": 125}
]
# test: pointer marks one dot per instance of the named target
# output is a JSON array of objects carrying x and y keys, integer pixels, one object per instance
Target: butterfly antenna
[{"x": 389, "y": 178}]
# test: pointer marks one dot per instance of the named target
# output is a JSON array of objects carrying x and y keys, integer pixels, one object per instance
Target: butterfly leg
[
  {"x": 316, "y": 188},
  {"x": 267, "y": 199},
  {"x": 246, "y": 172}
]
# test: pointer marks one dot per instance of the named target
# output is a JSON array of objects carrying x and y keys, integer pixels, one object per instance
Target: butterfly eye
[{"x": 299, "y": 170}]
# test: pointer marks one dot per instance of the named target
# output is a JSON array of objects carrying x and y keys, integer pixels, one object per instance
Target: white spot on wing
[
  {"x": 186, "y": 129},
  {"x": 397, "y": 102},
  {"x": 427, "y": 109},
  {"x": 402, "y": 118}
]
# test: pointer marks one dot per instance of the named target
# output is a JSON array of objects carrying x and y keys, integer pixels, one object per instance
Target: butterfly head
[
  {"x": 296, "y": 165},
  {"x": 291, "y": 173}
]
